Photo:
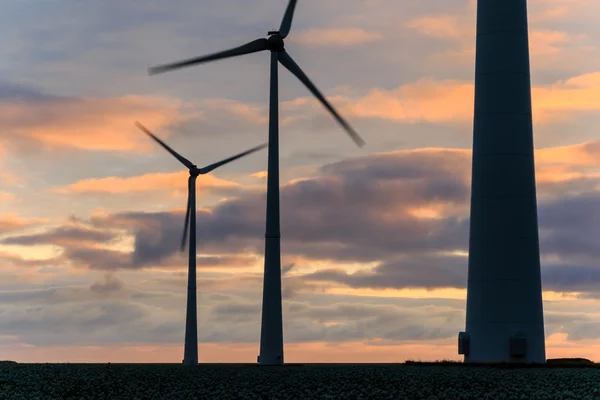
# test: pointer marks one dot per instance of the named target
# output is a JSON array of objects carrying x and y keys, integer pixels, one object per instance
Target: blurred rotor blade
[
  {"x": 187, "y": 216},
  {"x": 286, "y": 22},
  {"x": 181, "y": 158},
  {"x": 210, "y": 167},
  {"x": 286, "y": 60},
  {"x": 252, "y": 47}
]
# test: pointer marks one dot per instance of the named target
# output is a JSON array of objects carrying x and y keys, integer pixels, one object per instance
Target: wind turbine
[
  {"x": 190, "y": 352},
  {"x": 271, "y": 337},
  {"x": 505, "y": 311}
]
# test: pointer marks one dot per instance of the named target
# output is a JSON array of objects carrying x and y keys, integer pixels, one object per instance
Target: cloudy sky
[{"x": 374, "y": 240}]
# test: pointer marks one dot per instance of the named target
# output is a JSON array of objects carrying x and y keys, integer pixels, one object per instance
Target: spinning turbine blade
[
  {"x": 182, "y": 159},
  {"x": 286, "y": 60},
  {"x": 286, "y": 23},
  {"x": 252, "y": 47},
  {"x": 187, "y": 215},
  {"x": 210, "y": 167}
]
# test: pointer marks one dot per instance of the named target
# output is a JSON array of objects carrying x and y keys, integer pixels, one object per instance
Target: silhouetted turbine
[
  {"x": 504, "y": 310},
  {"x": 190, "y": 352},
  {"x": 271, "y": 337}
]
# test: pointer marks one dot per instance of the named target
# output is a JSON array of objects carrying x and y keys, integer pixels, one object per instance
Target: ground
[{"x": 397, "y": 381}]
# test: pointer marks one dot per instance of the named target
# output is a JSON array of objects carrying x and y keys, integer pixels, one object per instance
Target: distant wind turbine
[
  {"x": 271, "y": 337},
  {"x": 190, "y": 352}
]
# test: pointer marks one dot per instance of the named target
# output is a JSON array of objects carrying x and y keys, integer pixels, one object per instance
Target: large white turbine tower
[
  {"x": 190, "y": 351},
  {"x": 271, "y": 336},
  {"x": 505, "y": 319}
]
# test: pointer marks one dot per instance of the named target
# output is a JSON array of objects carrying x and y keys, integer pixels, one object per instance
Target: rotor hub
[
  {"x": 195, "y": 171},
  {"x": 275, "y": 42}
]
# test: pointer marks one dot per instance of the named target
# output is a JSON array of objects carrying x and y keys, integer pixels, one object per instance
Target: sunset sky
[{"x": 374, "y": 240}]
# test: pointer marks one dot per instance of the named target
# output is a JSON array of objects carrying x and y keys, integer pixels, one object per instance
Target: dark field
[{"x": 384, "y": 381}]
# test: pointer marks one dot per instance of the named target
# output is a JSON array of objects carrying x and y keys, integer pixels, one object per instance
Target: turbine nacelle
[
  {"x": 195, "y": 171},
  {"x": 275, "y": 42}
]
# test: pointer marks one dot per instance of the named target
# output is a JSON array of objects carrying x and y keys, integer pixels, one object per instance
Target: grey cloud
[
  {"x": 47, "y": 295},
  {"x": 337, "y": 322},
  {"x": 571, "y": 187},
  {"x": 63, "y": 234},
  {"x": 359, "y": 226},
  {"x": 11, "y": 91},
  {"x": 242, "y": 283},
  {"x": 570, "y": 225},
  {"x": 226, "y": 261},
  {"x": 286, "y": 268},
  {"x": 108, "y": 285},
  {"x": 431, "y": 272},
  {"x": 579, "y": 321},
  {"x": 48, "y": 325},
  {"x": 235, "y": 313},
  {"x": 326, "y": 318},
  {"x": 584, "y": 330},
  {"x": 359, "y": 210},
  {"x": 416, "y": 271},
  {"x": 571, "y": 277},
  {"x": 409, "y": 165},
  {"x": 83, "y": 315},
  {"x": 110, "y": 260},
  {"x": 294, "y": 286},
  {"x": 158, "y": 235}
]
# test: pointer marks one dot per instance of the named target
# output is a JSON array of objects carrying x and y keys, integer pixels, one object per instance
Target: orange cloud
[
  {"x": 444, "y": 27},
  {"x": 550, "y": 14},
  {"x": 259, "y": 174},
  {"x": 583, "y": 154},
  {"x": 567, "y": 163},
  {"x": 11, "y": 222},
  {"x": 543, "y": 42},
  {"x": 89, "y": 123},
  {"x": 461, "y": 29},
  {"x": 554, "y": 10},
  {"x": 5, "y": 196},
  {"x": 452, "y": 100},
  {"x": 556, "y": 174},
  {"x": 581, "y": 93},
  {"x": 424, "y": 100},
  {"x": 336, "y": 37},
  {"x": 6, "y": 176},
  {"x": 250, "y": 112},
  {"x": 145, "y": 183}
]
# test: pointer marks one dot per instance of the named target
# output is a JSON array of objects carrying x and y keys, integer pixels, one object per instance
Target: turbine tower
[
  {"x": 190, "y": 351},
  {"x": 271, "y": 336},
  {"x": 504, "y": 318}
]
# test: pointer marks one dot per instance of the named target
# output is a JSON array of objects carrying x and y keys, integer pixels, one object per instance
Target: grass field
[{"x": 227, "y": 381}]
